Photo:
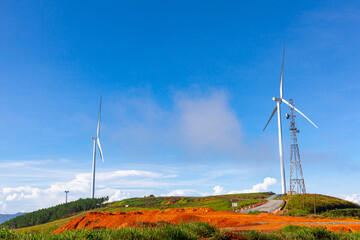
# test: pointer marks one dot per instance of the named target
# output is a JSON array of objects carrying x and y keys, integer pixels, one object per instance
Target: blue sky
[{"x": 187, "y": 90}]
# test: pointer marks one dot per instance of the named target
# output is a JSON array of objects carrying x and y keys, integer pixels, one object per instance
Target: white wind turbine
[
  {"x": 96, "y": 143},
  {"x": 278, "y": 102}
]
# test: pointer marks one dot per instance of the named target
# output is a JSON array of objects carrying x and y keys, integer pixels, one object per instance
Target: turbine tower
[
  {"x": 96, "y": 143},
  {"x": 278, "y": 101},
  {"x": 296, "y": 174},
  {"x": 66, "y": 193}
]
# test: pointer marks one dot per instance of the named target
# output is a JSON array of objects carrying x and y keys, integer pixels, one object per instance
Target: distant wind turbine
[
  {"x": 96, "y": 143},
  {"x": 278, "y": 102}
]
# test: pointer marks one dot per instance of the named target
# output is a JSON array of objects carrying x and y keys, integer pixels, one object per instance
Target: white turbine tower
[
  {"x": 96, "y": 143},
  {"x": 278, "y": 102}
]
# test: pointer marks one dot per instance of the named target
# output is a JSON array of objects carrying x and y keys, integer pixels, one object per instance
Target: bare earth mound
[{"x": 222, "y": 219}]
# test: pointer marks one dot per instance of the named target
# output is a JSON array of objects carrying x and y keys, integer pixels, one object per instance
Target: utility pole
[
  {"x": 303, "y": 201},
  {"x": 66, "y": 193}
]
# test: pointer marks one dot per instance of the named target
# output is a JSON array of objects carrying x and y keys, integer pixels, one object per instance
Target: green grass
[
  {"x": 323, "y": 204},
  {"x": 162, "y": 232},
  {"x": 297, "y": 233},
  {"x": 190, "y": 231}
]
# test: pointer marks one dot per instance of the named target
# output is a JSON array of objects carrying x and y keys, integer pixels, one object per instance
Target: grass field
[{"x": 299, "y": 205}]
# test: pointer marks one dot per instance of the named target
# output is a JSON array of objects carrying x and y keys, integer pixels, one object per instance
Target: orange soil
[{"x": 222, "y": 219}]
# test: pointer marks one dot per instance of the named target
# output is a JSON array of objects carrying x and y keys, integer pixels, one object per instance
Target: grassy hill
[
  {"x": 299, "y": 205},
  {"x": 218, "y": 203},
  {"x": 325, "y": 205}
]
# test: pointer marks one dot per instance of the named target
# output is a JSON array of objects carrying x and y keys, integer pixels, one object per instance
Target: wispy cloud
[
  {"x": 22, "y": 163},
  {"x": 196, "y": 124},
  {"x": 209, "y": 124}
]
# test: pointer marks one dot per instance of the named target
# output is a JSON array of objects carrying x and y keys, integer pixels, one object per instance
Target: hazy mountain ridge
[{"x": 7, "y": 217}]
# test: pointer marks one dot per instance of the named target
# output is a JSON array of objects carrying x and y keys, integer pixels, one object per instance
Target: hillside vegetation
[
  {"x": 343, "y": 213},
  {"x": 299, "y": 205},
  {"x": 54, "y": 213},
  {"x": 219, "y": 202}
]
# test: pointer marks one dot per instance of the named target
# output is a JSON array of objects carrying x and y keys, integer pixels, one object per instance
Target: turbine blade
[
  {"x": 299, "y": 112},
  {"x": 98, "y": 124},
  {"x": 270, "y": 117},
  {"x": 100, "y": 150},
  {"x": 282, "y": 74}
]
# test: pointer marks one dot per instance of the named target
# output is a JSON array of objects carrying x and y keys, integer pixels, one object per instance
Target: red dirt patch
[{"x": 222, "y": 219}]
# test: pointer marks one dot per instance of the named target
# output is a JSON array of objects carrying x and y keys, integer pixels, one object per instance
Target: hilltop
[{"x": 304, "y": 205}]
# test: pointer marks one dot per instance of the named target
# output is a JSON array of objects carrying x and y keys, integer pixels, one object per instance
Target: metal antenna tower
[{"x": 297, "y": 183}]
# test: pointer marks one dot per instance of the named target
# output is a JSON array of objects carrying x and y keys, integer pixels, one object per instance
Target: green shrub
[{"x": 343, "y": 213}]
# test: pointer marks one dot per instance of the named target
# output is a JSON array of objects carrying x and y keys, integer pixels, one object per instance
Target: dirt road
[{"x": 268, "y": 207}]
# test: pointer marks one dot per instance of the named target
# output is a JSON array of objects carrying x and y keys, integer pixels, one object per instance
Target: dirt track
[{"x": 223, "y": 219}]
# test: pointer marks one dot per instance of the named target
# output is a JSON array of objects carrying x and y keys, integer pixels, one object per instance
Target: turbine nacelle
[{"x": 277, "y": 99}]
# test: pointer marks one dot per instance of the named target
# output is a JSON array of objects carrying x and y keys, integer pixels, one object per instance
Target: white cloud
[
  {"x": 181, "y": 192},
  {"x": 260, "y": 187},
  {"x": 118, "y": 195},
  {"x": 218, "y": 190},
  {"x": 11, "y": 197},
  {"x": 107, "y": 183},
  {"x": 353, "y": 198}
]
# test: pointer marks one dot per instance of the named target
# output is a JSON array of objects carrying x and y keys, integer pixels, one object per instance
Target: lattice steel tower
[{"x": 297, "y": 183}]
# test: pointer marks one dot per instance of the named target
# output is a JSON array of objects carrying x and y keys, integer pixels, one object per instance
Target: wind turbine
[
  {"x": 96, "y": 143},
  {"x": 278, "y": 101}
]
